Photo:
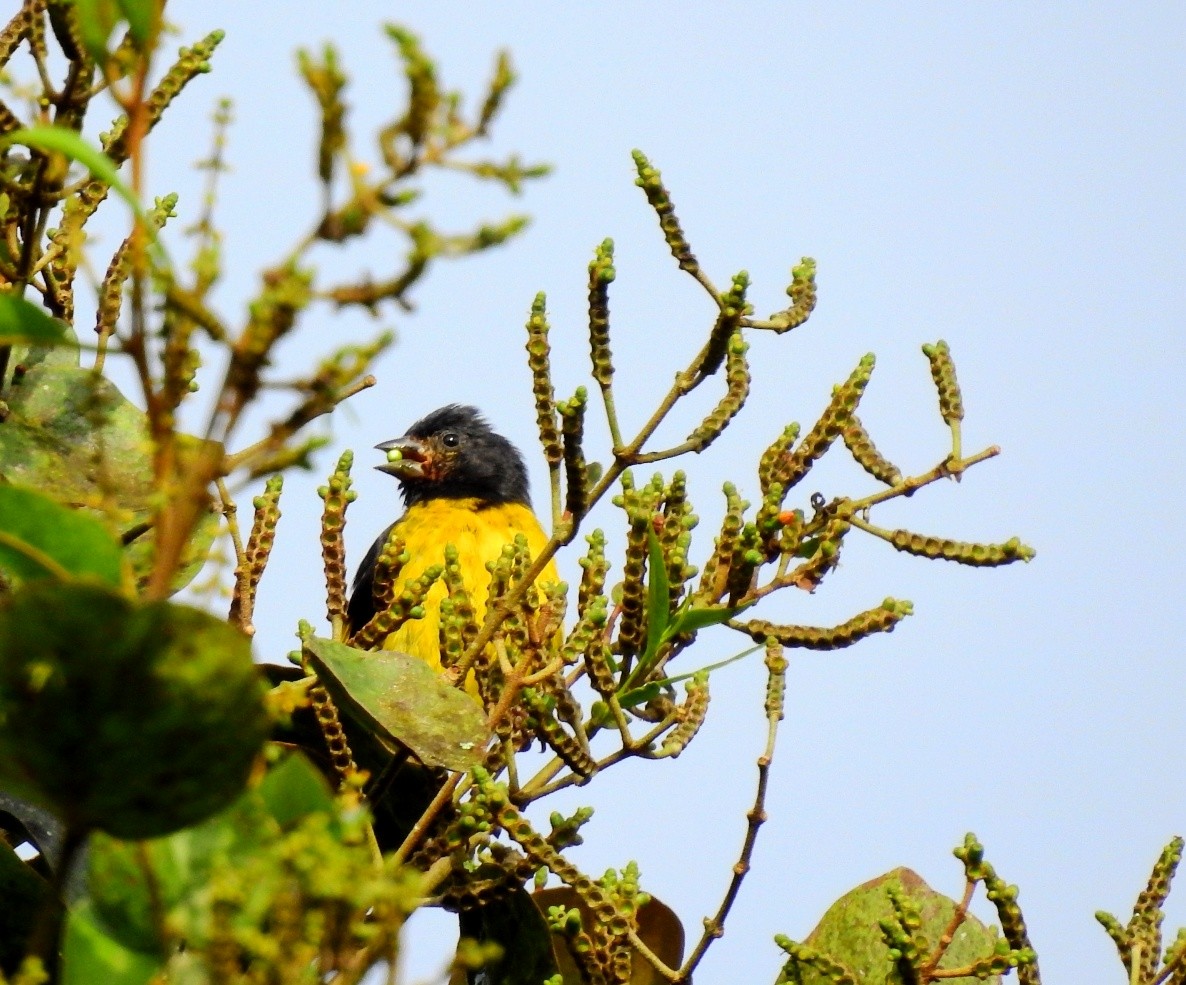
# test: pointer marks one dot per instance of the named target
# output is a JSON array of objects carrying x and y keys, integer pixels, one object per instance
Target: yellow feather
[{"x": 479, "y": 533}]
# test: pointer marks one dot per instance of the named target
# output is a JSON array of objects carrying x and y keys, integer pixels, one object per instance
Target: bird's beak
[{"x": 409, "y": 463}]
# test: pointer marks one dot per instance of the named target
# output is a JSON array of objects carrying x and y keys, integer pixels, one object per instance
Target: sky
[{"x": 1007, "y": 177}]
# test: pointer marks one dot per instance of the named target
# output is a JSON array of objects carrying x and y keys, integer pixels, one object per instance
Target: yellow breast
[{"x": 479, "y": 533}]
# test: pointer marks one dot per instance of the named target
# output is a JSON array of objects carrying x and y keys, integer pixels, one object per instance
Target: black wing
[{"x": 361, "y": 607}]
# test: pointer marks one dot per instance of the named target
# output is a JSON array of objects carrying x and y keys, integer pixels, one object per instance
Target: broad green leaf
[
  {"x": 91, "y": 955},
  {"x": 72, "y": 431},
  {"x": 850, "y": 932},
  {"x": 141, "y": 15},
  {"x": 73, "y": 146},
  {"x": 405, "y": 700},
  {"x": 133, "y": 718},
  {"x": 40, "y": 538},
  {"x": 293, "y": 789},
  {"x": 25, "y": 323},
  {"x": 124, "y": 876}
]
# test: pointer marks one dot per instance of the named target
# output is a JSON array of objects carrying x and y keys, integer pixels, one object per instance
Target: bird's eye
[{"x": 450, "y": 439}]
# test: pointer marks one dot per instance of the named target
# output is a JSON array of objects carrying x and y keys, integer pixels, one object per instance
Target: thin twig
[{"x": 714, "y": 927}]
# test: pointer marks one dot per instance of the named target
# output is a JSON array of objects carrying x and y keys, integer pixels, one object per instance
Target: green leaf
[
  {"x": 850, "y": 931},
  {"x": 25, "y": 323},
  {"x": 133, "y": 718},
  {"x": 404, "y": 699},
  {"x": 40, "y": 538},
  {"x": 658, "y": 597},
  {"x": 73, "y": 146},
  {"x": 641, "y": 695},
  {"x": 96, "y": 21},
  {"x": 141, "y": 15},
  {"x": 72, "y": 431},
  {"x": 691, "y": 619},
  {"x": 126, "y": 879},
  {"x": 91, "y": 955},
  {"x": 293, "y": 789}
]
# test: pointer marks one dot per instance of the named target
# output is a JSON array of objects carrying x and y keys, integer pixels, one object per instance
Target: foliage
[{"x": 137, "y": 727}]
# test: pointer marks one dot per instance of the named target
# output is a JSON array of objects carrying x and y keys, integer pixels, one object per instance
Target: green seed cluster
[
  {"x": 326, "y": 80},
  {"x": 801, "y": 291},
  {"x": 459, "y": 621},
  {"x": 902, "y": 934},
  {"x": 593, "y": 570},
  {"x": 609, "y": 922},
  {"x": 258, "y": 548},
  {"x": 774, "y": 457},
  {"x": 951, "y": 402},
  {"x": 747, "y": 556},
  {"x": 600, "y": 669},
  {"x": 336, "y": 496},
  {"x": 675, "y": 536},
  {"x": 690, "y": 716},
  {"x": 737, "y": 378},
  {"x": 508, "y": 567},
  {"x": 323, "y": 389},
  {"x": 802, "y": 955},
  {"x": 776, "y": 682},
  {"x": 714, "y": 580},
  {"x": 587, "y": 631},
  {"x": 27, "y": 20},
  {"x": 504, "y": 78},
  {"x": 881, "y": 619},
  {"x": 828, "y": 428},
  {"x": 651, "y": 182},
  {"x": 778, "y": 536},
  {"x": 601, "y": 275},
  {"x": 408, "y": 604},
  {"x": 388, "y": 565},
  {"x": 962, "y": 552},
  {"x": 549, "y": 731},
  {"x": 1154, "y": 895},
  {"x": 539, "y": 360},
  {"x": 1142, "y": 934},
  {"x": 566, "y": 831},
  {"x": 191, "y": 62},
  {"x": 272, "y": 315},
  {"x": 858, "y": 442},
  {"x": 734, "y": 307},
  {"x": 640, "y": 506},
  {"x": 111, "y": 291},
  {"x": 824, "y": 558},
  {"x": 576, "y": 473},
  {"x": 424, "y": 96},
  {"x": 1004, "y": 897}
]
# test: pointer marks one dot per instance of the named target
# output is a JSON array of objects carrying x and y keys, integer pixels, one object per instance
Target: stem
[
  {"x": 714, "y": 927},
  {"x": 957, "y": 918}
]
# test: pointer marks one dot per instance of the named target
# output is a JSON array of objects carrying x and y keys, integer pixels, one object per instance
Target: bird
[{"x": 463, "y": 484}]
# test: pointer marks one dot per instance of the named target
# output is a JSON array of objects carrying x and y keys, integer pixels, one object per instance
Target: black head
[{"x": 453, "y": 454}]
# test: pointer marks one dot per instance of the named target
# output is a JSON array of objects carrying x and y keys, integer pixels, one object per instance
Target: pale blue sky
[{"x": 1005, "y": 176}]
